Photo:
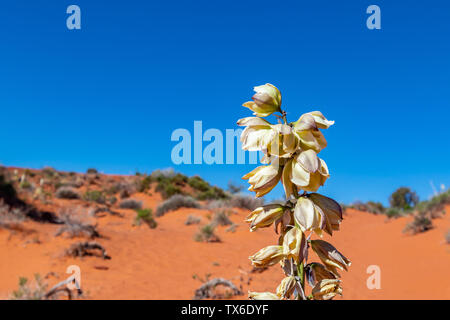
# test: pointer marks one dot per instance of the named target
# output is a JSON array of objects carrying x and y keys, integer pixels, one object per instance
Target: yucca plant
[{"x": 290, "y": 156}]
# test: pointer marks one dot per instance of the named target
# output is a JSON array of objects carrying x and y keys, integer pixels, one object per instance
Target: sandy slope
[{"x": 160, "y": 263}]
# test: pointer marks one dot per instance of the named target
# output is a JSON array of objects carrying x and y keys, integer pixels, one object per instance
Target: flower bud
[
  {"x": 307, "y": 216},
  {"x": 308, "y": 172},
  {"x": 326, "y": 289},
  {"x": 262, "y": 296},
  {"x": 266, "y": 100},
  {"x": 264, "y": 216},
  {"x": 329, "y": 256},
  {"x": 257, "y": 135},
  {"x": 286, "y": 287},
  {"x": 264, "y": 178},
  {"x": 312, "y": 121},
  {"x": 294, "y": 245},
  {"x": 329, "y": 209},
  {"x": 316, "y": 272},
  {"x": 267, "y": 256}
]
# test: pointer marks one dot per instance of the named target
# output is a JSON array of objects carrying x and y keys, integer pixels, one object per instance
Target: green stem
[{"x": 301, "y": 274}]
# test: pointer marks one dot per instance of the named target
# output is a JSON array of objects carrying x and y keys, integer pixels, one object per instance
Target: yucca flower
[
  {"x": 316, "y": 212},
  {"x": 264, "y": 216},
  {"x": 286, "y": 287},
  {"x": 316, "y": 272},
  {"x": 266, "y": 100},
  {"x": 326, "y": 289},
  {"x": 290, "y": 154},
  {"x": 263, "y": 296},
  {"x": 330, "y": 209},
  {"x": 267, "y": 256},
  {"x": 312, "y": 120},
  {"x": 294, "y": 244},
  {"x": 307, "y": 171},
  {"x": 257, "y": 135},
  {"x": 330, "y": 257},
  {"x": 278, "y": 140},
  {"x": 307, "y": 130},
  {"x": 308, "y": 217},
  {"x": 264, "y": 178}
]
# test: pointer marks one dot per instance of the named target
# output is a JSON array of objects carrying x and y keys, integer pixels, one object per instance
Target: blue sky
[{"x": 110, "y": 95}]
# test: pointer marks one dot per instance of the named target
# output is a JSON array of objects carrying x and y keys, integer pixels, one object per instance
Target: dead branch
[
  {"x": 81, "y": 249},
  {"x": 206, "y": 290}
]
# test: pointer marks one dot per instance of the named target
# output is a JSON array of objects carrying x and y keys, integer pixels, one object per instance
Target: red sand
[{"x": 160, "y": 263}]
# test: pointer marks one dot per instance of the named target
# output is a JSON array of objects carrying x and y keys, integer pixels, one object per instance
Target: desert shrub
[
  {"x": 146, "y": 216},
  {"x": 28, "y": 292},
  {"x": 67, "y": 193},
  {"x": 403, "y": 198},
  {"x": 112, "y": 200},
  {"x": 176, "y": 202},
  {"x": 130, "y": 204},
  {"x": 26, "y": 185},
  {"x": 68, "y": 183},
  {"x": 192, "y": 220},
  {"x": 145, "y": 183},
  {"x": 421, "y": 223},
  {"x": 94, "y": 196},
  {"x": 167, "y": 189},
  {"x": 76, "y": 222},
  {"x": 369, "y": 206},
  {"x": 124, "y": 188},
  {"x": 212, "y": 193},
  {"x": 91, "y": 171},
  {"x": 447, "y": 237},
  {"x": 393, "y": 212},
  {"x": 245, "y": 202},
  {"x": 9, "y": 214},
  {"x": 163, "y": 173},
  {"x": 234, "y": 188},
  {"x": 206, "y": 234},
  {"x": 220, "y": 218},
  {"x": 204, "y": 191},
  {"x": 29, "y": 173},
  {"x": 198, "y": 183},
  {"x": 49, "y": 172},
  {"x": 435, "y": 206}
]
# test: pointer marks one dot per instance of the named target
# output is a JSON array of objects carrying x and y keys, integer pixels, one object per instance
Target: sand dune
[{"x": 160, "y": 263}]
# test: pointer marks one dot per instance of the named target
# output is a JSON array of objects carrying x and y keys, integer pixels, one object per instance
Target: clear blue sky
[{"x": 110, "y": 95}]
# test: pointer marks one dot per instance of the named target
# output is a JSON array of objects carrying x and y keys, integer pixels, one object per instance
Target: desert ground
[{"x": 167, "y": 263}]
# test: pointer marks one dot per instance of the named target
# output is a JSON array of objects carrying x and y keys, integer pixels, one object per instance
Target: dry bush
[
  {"x": 10, "y": 214},
  {"x": 27, "y": 291},
  {"x": 94, "y": 196},
  {"x": 369, "y": 206},
  {"x": 435, "y": 207},
  {"x": 76, "y": 223},
  {"x": 220, "y": 218},
  {"x": 209, "y": 290},
  {"x": 447, "y": 237},
  {"x": 421, "y": 223},
  {"x": 38, "y": 290},
  {"x": 130, "y": 204},
  {"x": 245, "y": 202},
  {"x": 176, "y": 202},
  {"x": 67, "y": 193},
  {"x": 206, "y": 234},
  {"x": 192, "y": 220}
]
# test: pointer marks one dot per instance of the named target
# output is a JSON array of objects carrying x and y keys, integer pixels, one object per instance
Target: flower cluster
[{"x": 291, "y": 156}]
